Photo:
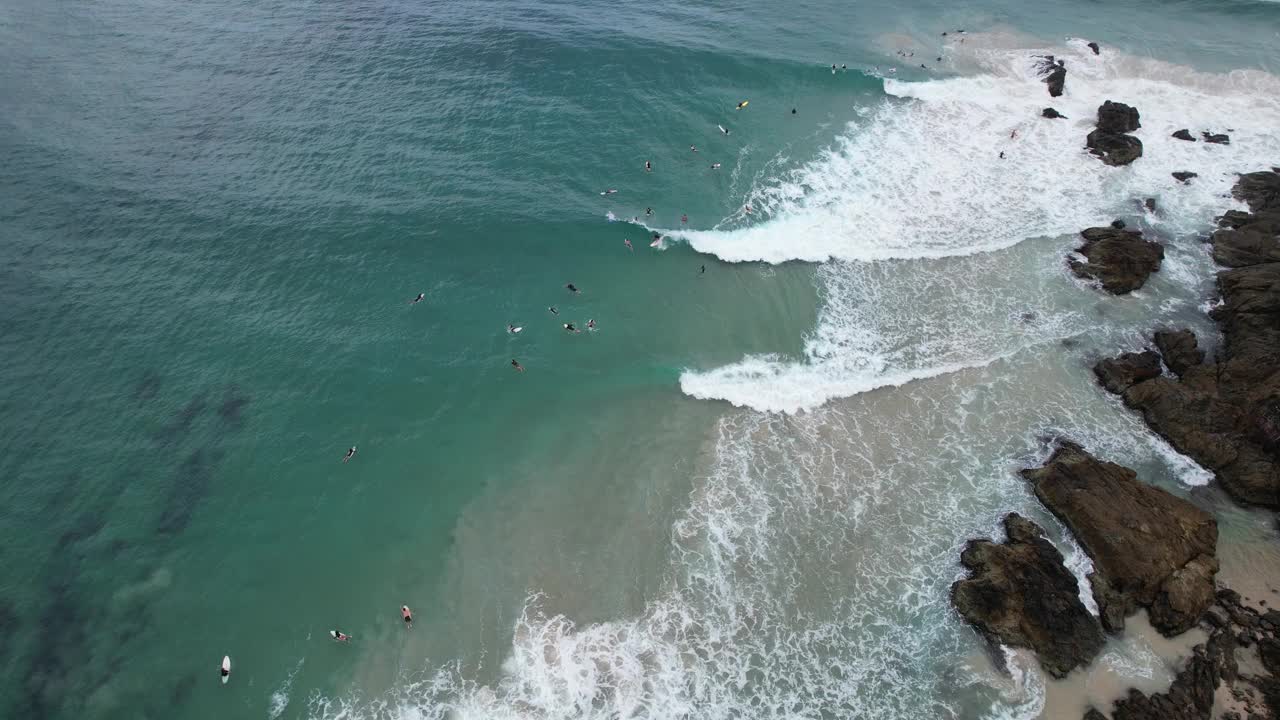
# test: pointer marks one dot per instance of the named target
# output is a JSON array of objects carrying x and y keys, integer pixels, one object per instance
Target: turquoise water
[{"x": 214, "y": 218}]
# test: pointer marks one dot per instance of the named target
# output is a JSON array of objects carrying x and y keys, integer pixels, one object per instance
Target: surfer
[
  {"x": 703, "y": 271},
  {"x": 224, "y": 670},
  {"x": 833, "y": 68},
  {"x": 648, "y": 167},
  {"x": 657, "y": 238},
  {"x": 350, "y": 454},
  {"x": 723, "y": 129},
  {"x": 628, "y": 244},
  {"x": 648, "y": 211},
  {"x": 684, "y": 219},
  {"x": 844, "y": 68},
  {"x": 571, "y": 288},
  {"x": 339, "y": 636},
  {"x": 418, "y": 299},
  {"x": 591, "y": 324},
  {"x": 693, "y": 148},
  {"x": 793, "y": 111},
  {"x": 746, "y": 209},
  {"x": 404, "y": 609},
  {"x": 571, "y": 328},
  {"x": 1014, "y": 134},
  {"x": 513, "y": 329},
  {"x": 610, "y": 191},
  {"x": 516, "y": 365},
  {"x": 1001, "y": 154},
  {"x": 715, "y": 166},
  {"x": 742, "y": 105},
  {"x": 553, "y": 310}
]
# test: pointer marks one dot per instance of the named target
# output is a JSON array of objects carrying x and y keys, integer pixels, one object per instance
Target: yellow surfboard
[{"x": 743, "y": 104}]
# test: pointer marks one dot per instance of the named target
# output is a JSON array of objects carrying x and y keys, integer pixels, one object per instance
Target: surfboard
[
  {"x": 516, "y": 329},
  {"x": 744, "y": 104},
  {"x": 226, "y": 669}
]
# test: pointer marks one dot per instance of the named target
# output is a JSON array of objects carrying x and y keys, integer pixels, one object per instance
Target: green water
[{"x": 212, "y": 223}]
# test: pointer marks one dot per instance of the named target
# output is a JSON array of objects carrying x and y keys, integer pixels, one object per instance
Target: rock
[
  {"x": 1149, "y": 204},
  {"x": 1119, "y": 259},
  {"x": 1115, "y": 150},
  {"x": 1094, "y": 47},
  {"x": 1184, "y": 134},
  {"x": 1052, "y": 114},
  {"x": 1117, "y": 224},
  {"x": 1022, "y": 595},
  {"x": 1120, "y": 373},
  {"x": 1190, "y": 696},
  {"x": 1219, "y": 139},
  {"x": 1149, "y": 548},
  {"x": 1116, "y": 118},
  {"x": 1184, "y": 176},
  {"x": 1226, "y": 414},
  {"x": 1052, "y": 73},
  {"x": 1179, "y": 350}
]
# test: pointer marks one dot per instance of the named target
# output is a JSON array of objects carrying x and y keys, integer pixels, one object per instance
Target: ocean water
[{"x": 742, "y": 495}]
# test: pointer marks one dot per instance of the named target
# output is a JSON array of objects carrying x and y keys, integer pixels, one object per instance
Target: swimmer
[
  {"x": 350, "y": 454},
  {"x": 553, "y": 310},
  {"x": 715, "y": 166},
  {"x": 648, "y": 167},
  {"x": 693, "y": 148},
  {"x": 723, "y": 129},
  {"x": 516, "y": 365},
  {"x": 610, "y": 191},
  {"x": 628, "y": 244},
  {"x": 418, "y": 299},
  {"x": 570, "y": 287},
  {"x": 404, "y": 609},
  {"x": 591, "y": 324},
  {"x": 684, "y": 219},
  {"x": 571, "y": 328},
  {"x": 339, "y": 636}
]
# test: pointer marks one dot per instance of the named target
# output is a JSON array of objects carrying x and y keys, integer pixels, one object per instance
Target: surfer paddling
[
  {"x": 339, "y": 636},
  {"x": 742, "y": 104},
  {"x": 350, "y": 454},
  {"x": 553, "y": 310},
  {"x": 715, "y": 166},
  {"x": 572, "y": 288},
  {"x": 405, "y": 613},
  {"x": 569, "y": 327},
  {"x": 648, "y": 166},
  {"x": 517, "y": 365},
  {"x": 628, "y": 244},
  {"x": 418, "y": 299},
  {"x": 610, "y": 191}
]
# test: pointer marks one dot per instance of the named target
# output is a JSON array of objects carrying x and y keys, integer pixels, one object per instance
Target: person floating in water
[
  {"x": 693, "y": 148},
  {"x": 418, "y": 299},
  {"x": 591, "y": 324},
  {"x": 628, "y": 244},
  {"x": 648, "y": 167},
  {"x": 350, "y": 454},
  {"x": 553, "y": 310},
  {"x": 404, "y": 609},
  {"x": 715, "y": 166},
  {"x": 339, "y": 635},
  {"x": 571, "y": 288},
  {"x": 516, "y": 365},
  {"x": 684, "y": 219},
  {"x": 571, "y": 328}
]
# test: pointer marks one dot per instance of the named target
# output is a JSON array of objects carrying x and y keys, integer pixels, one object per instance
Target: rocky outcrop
[
  {"x": 1053, "y": 73},
  {"x": 1216, "y": 138},
  {"x": 1052, "y": 114},
  {"x": 1184, "y": 176},
  {"x": 1149, "y": 548},
  {"x": 1184, "y": 134},
  {"x": 1179, "y": 350},
  {"x": 1020, "y": 594},
  {"x": 1120, "y": 373},
  {"x": 1226, "y": 414},
  {"x": 1110, "y": 139},
  {"x": 1118, "y": 259},
  {"x": 1190, "y": 696}
]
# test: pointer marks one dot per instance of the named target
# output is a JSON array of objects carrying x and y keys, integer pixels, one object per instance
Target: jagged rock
[
  {"x": 1149, "y": 548},
  {"x": 1226, "y": 414},
  {"x": 1184, "y": 134},
  {"x": 1053, "y": 73},
  {"x": 1120, "y": 373},
  {"x": 1052, "y": 114},
  {"x": 1149, "y": 204},
  {"x": 1218, "y": 139},
  {"x": 1190, "y": 696},
  {"x": 1022, "y": 595},
  {"x": 1115, "y": 150},
  {"x": 1117, "y": 224},
  {"x": 1094, "y": 47},
  {"x": 1179, "y": 350},
  {"x": 1114, "y": 117},
  {"x": 1184, "y": 176},
  {"x": 1119, "y": 259}
]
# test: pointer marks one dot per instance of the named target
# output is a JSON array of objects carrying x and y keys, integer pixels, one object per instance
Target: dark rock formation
[
  {"x": 1149, "y": 548},
  {"x": 1120, "y": 373},
  {"x": 1216, "y": 139},
  {"x": 1184, "y": 134},
  {"x": 1022, "y": 595},
  {"x": 1183, "y": 176},
  {"x": 1053, "y": 73},
  {"x": 1119, "y": 259},
  {"x": 1149, "y": 204},
  {"x": 1179, "y": 350},
  {"x": 1226, "y": 414},
  {"x": 1109, "y": 140},
  {"x": 1190, "y": 697},
  {"x": 1094, "y": 47},
  {"x": 1052, "y": 114}
]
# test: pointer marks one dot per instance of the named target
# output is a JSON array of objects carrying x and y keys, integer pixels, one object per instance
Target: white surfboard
[
  {"x": 516, "y": 329},
  {"x": 226, "y": 668}
]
